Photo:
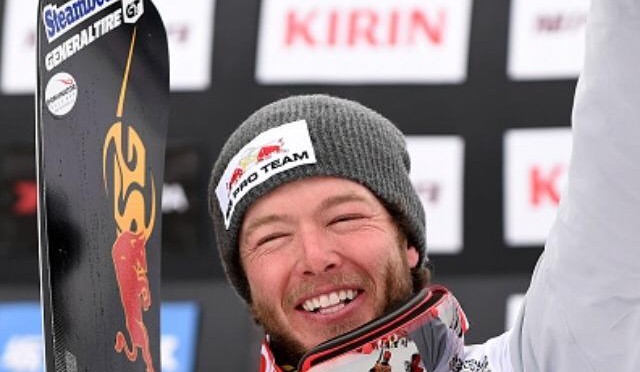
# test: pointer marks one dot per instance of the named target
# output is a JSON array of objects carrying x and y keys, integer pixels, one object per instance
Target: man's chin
[
  {"x": 291, "y": 346},
  {"x": 325, "y": 334}
]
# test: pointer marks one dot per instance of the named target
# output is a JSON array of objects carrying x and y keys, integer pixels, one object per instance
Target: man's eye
[
  {"x": 346, "y": 218},
  {"x": 269, "y": 238}
]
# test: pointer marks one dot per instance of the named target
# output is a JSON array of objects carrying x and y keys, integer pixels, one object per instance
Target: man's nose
[{"x": 317, "y": 253}]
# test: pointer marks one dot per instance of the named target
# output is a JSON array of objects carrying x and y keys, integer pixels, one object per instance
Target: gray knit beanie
[{"x": 306, "y": 136}]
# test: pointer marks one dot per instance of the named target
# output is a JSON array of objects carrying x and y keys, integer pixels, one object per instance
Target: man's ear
[{"x": 412, "y": 256}]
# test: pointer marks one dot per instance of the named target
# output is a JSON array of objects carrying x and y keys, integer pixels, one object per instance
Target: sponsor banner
[
  {"x": 182, "y": 231},
  {"x": 19, "y": 47},
  {"x": 437, "y": 165},
  {"x": 18, "y": 184},
  {"x": 174, "y": 198},
  {"x": 360, "y": 41},
  {"x": 514, "y": 303},
  {"x": 21, "y": 347},
  {"x": 182, "y": 171},
  {"x": 179, "y": 336},
  {"x": 18, "y": 232},
  {"x": 273, "y": 151},
  {"x": 190, "y": 33},
  {"x": 535, "y": 172},
  {"x": 546, "y": 39}
]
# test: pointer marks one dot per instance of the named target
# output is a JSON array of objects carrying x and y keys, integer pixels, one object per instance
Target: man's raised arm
[{"x": 582, "y": 312}]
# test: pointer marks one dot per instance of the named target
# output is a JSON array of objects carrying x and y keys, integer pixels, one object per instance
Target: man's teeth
[{"x": 331, "y": 299}]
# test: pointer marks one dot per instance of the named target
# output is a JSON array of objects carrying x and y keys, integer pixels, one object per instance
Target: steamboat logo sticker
[
  {"x": 58, "y": 20},
  {"x": 61, "y": 94},
  {"x": 271, "y": 152}
]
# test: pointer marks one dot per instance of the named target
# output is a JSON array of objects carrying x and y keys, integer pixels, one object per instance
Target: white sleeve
[{"x": 582, "y": 310}]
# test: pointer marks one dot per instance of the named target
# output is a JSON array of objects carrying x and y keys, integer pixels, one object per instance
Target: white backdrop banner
[
  {"x": 535, "y": 172},
  {"x": 546, "y": 39},
  {"x": 437, "y": 165},
  {"x": 190, "y": 32},
  {"x": 362, "y": 41},
  {"x": 19, "y": 47}
]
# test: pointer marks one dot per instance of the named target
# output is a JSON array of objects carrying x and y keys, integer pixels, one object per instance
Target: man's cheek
[{"x": 269, "y": 289}]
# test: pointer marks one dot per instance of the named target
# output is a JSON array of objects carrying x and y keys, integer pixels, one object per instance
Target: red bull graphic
[
  {"x": 235, "y": 176},
  {"x": 271, "y": 152},
  {"x": 129, "y": 258},
  {"x": 134, "y": 208},
  {"x": 253, "y": 156}
]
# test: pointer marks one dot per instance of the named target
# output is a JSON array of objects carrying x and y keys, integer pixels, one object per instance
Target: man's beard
[{"x": 288, "y": 350}]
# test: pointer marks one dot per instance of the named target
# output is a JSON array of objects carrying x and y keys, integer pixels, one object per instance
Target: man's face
[{"x": 322, "y": 256}]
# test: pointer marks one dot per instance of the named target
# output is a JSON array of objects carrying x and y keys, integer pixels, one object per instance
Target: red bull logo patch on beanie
[{"x": 271, "y": 152}]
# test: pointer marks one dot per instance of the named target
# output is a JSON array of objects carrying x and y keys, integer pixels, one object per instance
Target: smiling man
[
  {"x": 325, "y": 233},
  {"x": 324, "y": 269},
  {"x": 322, "y": 234}
]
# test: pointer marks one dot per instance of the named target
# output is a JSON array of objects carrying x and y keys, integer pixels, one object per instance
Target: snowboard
[{"x": 102, "y": 103}]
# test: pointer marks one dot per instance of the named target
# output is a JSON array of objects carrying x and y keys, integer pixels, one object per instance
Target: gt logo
[{"x": 132, "y": 10}]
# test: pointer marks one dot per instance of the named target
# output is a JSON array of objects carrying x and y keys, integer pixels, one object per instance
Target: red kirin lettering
[
  {"x": 364, "y": 27},
  {"x": 542, "y": 186}
]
